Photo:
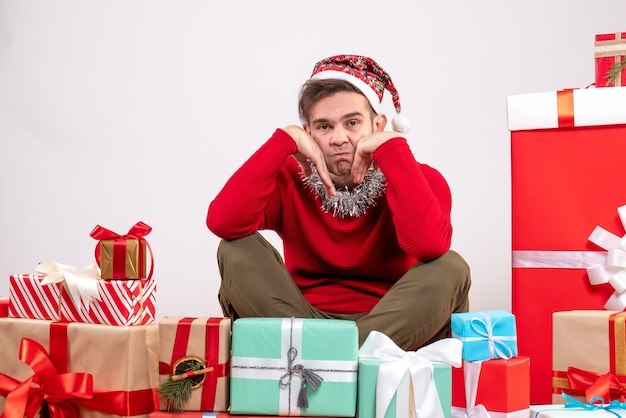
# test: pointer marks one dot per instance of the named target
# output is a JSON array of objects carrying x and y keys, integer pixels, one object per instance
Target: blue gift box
[{"x": 486, "y": 335}]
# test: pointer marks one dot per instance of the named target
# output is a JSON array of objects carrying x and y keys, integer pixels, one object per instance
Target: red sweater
[{"x": 342, "y": 265}]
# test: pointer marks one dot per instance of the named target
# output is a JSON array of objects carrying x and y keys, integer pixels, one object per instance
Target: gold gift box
[{"x": 134, "y": 261}]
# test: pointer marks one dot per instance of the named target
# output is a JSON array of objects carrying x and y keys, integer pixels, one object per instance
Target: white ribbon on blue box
[{"x": 486, "y": 335}]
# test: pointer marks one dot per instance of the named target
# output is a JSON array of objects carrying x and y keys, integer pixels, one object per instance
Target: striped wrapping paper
[{"x": 123, "y": 302}]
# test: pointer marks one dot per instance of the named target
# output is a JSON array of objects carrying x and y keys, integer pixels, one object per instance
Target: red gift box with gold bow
[
  {"x": 589, "y": 359},
  {"x": 123, "y": 256},
  {"x": 77, "y": 370},
  {"x": 609, "y": 52},
  {"x": 567, "y": 157},
  {"x": 206, "y": 341}
]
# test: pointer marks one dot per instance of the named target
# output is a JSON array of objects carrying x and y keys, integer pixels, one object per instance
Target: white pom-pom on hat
[
  {"x": 400, "y": 124},
  {"x": 369, "y": 77}
]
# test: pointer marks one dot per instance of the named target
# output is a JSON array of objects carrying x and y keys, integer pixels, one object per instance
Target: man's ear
[
  {"x": 307, "y": 128},
  {"x": 380, "y": 122}
]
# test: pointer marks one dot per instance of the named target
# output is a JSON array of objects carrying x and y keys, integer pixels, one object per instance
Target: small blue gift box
[{"x": 486, "y": 335}]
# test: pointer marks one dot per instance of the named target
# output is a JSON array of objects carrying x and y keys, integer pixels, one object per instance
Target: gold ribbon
[
  {"x": 610, "y": 48},
  {"x": 614, "y": 48}
]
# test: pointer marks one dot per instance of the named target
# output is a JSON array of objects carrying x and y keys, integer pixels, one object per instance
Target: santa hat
[{"x": 366, "y": 75}]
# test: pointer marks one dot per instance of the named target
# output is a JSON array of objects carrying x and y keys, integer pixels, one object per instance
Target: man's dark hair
[{"x": 313, "y": 91}]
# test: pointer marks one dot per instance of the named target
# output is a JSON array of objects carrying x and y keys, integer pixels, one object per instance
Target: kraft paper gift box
[
  {"x": 567, "y": 153},
  {"x": 123, "y": 256},
  {"x": 4, "y": 307},
  {"x": 205, "y": 341},
  {"x": 589, "y": 359},
  {"x": 102, "y": 371},
  {"x": 281, "y": 365},
  {"x": 485, "y": 335},
  {"x": 394, "y": 383},
  {"x": 500, "y": 386},
  {"x": 112, "y": 302},
  {"x": 609, "y": 50}
]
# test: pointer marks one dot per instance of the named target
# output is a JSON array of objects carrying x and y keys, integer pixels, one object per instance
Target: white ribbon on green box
[
  {"x": 387, "y": 373},
  {"x": 274, "y": 358}
]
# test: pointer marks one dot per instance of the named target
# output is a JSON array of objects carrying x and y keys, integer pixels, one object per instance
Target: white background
[{"x": 112, "y": 112}]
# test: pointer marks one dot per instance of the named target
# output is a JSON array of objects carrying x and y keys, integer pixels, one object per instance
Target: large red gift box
[
  {"x": 4, "y": 307},
  {"x": 122, "y": 302},
  {"x": 503, "y": 385},
  {"x": 567, "y": 155},
  {"x": 95, "y": 371},
  {"x": 609, "y": 49},
  {"x": 207, "y": 340}
]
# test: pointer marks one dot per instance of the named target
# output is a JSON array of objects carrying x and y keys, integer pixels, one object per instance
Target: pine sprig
[
  {"x": 614, "y": 72},
  {"x": 176, "y": 391},
  {"x": 176, "y": 394}
]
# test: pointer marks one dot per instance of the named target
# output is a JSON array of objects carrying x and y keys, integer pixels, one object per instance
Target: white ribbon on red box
[
  {"x": 613, "y": 268},
  {"x": 602, "y": 266},
  {"x": 81, "y": 285},
  {"x": 471, "y": 375}
]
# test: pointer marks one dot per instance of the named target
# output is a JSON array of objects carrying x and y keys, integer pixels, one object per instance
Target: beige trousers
[{"x": 414, "y": 312}]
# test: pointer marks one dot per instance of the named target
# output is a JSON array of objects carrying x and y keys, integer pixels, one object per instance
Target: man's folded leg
[
  {"x": 416, "y": 310},
  {"x": 256, "y": 283}
]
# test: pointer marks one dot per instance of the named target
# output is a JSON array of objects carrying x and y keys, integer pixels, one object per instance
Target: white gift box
[{"x": 591, "y": 107}]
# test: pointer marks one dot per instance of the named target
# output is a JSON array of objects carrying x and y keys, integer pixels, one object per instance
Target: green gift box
[
  {"x": 394, "y": 383},
  {"x": 402, "y": 400},
  {"x": 294, "y": 366}
]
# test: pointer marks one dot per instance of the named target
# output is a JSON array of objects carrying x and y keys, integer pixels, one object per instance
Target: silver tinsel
[{"x": 348, "y": 202}]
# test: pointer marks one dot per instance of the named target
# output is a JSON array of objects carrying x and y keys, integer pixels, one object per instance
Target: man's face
[{"x": 337, "y": 123}]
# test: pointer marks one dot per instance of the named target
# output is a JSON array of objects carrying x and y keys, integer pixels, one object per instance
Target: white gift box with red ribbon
[{"x": 567, "y": 108}]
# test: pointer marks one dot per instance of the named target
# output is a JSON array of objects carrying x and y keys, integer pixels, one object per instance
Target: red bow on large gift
[
  {"x": 596, "y": 385},
  {"x": 25, "y": 399},
  {"x": 64, "y": 392}
]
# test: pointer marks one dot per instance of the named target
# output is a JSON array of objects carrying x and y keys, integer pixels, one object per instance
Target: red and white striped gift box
[{"x": 123, "y": 302}]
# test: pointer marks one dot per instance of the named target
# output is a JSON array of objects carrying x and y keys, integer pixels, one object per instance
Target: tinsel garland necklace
[{"x": 348, "y": 202}]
